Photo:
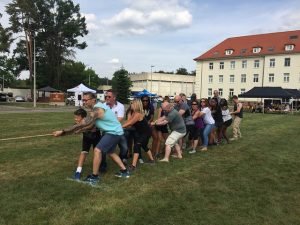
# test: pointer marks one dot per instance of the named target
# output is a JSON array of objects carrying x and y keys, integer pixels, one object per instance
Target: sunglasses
[
  {"x": 108, "y": 96},
  {"x": 85, "y": 100},
  {"x": 144, "y": 100}
]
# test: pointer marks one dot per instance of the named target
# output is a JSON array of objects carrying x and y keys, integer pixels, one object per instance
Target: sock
[
  {"x": 124, "y": 171},
  {"x": 95, "y": 175},
  {"x": 79, "y": 169}
]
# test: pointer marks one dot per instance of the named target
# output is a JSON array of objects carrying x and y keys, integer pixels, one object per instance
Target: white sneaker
[
  {"x": 192, "y": 151},
  {"x": 232, "y": 139},
  {"x": 141, "y": 161}
]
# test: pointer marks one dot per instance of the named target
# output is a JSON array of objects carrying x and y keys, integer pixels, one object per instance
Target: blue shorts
[{"x": 108, "y": 143}]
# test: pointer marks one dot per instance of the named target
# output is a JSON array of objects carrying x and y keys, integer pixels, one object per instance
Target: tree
[
  {"x": 121, "y": 84},
  {"x": 55, "y": 25},
  {"x": 6, "y": 64},
  {"x": 182, "y": 71}
]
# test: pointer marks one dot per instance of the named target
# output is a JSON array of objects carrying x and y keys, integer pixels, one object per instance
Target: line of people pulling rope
[{"x": 103, "y": 131}]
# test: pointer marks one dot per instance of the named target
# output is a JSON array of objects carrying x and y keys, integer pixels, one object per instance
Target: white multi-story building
[
  {"x": 240, "y": 63},
  {"x": 163, "y": 84}
]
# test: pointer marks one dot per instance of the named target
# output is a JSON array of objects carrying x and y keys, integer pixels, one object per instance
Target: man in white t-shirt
[{"x": 119, "y": 111}]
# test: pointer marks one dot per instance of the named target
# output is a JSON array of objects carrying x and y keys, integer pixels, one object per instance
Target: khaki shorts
[{"x": 173, "y": 138}]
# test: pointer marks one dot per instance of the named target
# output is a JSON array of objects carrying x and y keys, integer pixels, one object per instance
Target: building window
[
  {"x": 256, "y": 50},
  {"x": 243, "y": 90},
  {"x": 244, "y": 64},
  {"x": 289, "y": 47},
  {"x": 221, "y": 65},
  {"x": 255, "y": 78},
  {"x": 210, "y": 79},
  {"x": 286, "y": 77},
  {"x": 243, "y": 78},
  {"x": 231, "y": 78},
  {"x": 271, "y": 78},
  {"x": 228, "y": 52},
  {"x": 231, "y": 92},
  {"x": 232, "y": 64},
  {"x": 209, "y": 92},
  {"x": 287, "y": 61},
  {"x": 211, "y": 66},
  {"x": 220, "y": 78},
  {"x": 220, "y": 92},
  {"x": 272, "y": 62},
  {"x": 256, "y": 63}
]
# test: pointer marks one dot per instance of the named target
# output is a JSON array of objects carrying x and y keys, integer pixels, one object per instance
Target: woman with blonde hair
[{"x": 142, "y": 132}]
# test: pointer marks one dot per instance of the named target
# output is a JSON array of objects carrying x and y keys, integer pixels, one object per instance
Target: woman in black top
[{"x": 142, "y": 132}]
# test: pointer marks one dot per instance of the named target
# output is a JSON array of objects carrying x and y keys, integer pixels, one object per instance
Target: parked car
[
  {"x": 19, "y": 98},
  {"x": 3, "y": 97}
]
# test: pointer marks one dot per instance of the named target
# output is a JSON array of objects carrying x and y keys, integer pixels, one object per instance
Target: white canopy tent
[{"x": 79, "y": 90}]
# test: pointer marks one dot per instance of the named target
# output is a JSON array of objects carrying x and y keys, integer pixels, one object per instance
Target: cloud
[
  {"x": 145, "y": 17},
  {"x": 91, "y": 20},
  {"x": 114, "y": 61}
]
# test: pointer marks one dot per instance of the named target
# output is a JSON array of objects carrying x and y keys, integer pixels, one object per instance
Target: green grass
[{"x": 255, "y": 180}]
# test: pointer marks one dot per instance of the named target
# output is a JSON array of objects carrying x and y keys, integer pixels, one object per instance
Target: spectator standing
[{"x": 237, "y": 118}]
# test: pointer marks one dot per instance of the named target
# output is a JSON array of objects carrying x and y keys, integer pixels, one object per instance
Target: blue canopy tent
[{"x": 144, "y": 93}]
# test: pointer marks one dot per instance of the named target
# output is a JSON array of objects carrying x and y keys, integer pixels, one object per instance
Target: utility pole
[{"x": 151, "y": 78}]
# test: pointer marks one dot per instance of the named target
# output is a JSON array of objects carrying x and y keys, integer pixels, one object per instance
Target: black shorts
[
  {"x": 227, "y": 123},
  {"x": 218, "y": 124},
  {"x": 163, "y": 129},
  {"x": 90, "y": 139}
]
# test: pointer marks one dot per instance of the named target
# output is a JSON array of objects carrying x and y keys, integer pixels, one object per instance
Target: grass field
[{"x": 255, "y": 180}]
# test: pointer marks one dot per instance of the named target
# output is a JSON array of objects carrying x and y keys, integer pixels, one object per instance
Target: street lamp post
[
  {"x": 151, "y": 77},
  {"x": 34, "y": 75},
  {"x": 3, "y": 83}
]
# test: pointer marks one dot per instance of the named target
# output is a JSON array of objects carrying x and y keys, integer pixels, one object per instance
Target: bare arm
[
  {"x": 71, "y": 129},
  {"x": 98, "y": 114},
  {"x": 132, "y": 120},
  {"x": 239, "y": 107},
  {"x": 197, "y": 115},
  {"x": 160, "y": 121}
]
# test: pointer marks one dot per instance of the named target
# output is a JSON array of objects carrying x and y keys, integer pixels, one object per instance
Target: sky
[{"x": 169, "y": 34}]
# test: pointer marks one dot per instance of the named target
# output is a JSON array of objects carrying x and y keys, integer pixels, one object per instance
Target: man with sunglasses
[
  {"x": 90, "y": 138},
  {"x": 112, "y": 132},
  {"x": 119, "y": 111}
]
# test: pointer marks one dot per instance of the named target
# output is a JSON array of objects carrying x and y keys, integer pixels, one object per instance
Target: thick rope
[{"x": 25, "y": 137}]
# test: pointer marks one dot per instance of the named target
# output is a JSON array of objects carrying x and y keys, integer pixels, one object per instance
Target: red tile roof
[{"x": 270, "y": 44}]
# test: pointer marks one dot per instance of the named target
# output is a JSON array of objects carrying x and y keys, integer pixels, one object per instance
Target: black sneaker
[
  {"x": 92, "y": 180},
  {"x": 122, "y": 174}
]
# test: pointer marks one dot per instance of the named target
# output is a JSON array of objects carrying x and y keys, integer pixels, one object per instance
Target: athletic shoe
[
  {"x": 193, "y": 151},
  {"x": 233, "y": 139},
  {"x": 121, "y": 174},
  {"x": 92, "y": 180},
  {"x": 77, "y": 176},
  {"x": 204, "y": 149},
  {"x": 141, "y": 161}
]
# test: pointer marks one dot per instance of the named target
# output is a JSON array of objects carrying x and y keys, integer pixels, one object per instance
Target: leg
[
  {"x": 82, "y": 158},
  {"x": 178, "y": 150},
  {"x": 97, "y": 160},
  {"x": 167, "y": 153},
  {"x": 117, "y": 160}
]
